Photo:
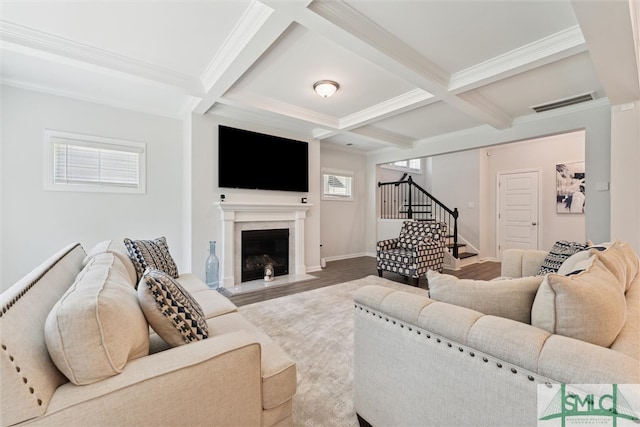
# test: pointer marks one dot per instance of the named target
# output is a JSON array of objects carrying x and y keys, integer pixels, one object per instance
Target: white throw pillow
[
  {"x": 589, "y": 306},
  {"x": 97, "y": 326},
  {"x": 576, "y": 263},
  {"x": 509, "y": 298}
]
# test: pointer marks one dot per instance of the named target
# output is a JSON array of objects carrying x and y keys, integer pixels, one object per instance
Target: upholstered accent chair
[{"x": 419, "y": 247}]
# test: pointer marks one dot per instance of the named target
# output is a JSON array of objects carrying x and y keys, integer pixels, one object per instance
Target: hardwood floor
[{"x": 351, "y": 269}]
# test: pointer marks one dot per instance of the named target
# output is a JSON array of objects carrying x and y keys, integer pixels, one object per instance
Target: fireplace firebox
[{"x": 262, "y": 247}]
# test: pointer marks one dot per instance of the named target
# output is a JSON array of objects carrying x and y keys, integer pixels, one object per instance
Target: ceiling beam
[
  {"x": 608, "y": 28},
  {"x": 256, "y": 31},
  {"x": 341, "y": 23},
  {"x": 536, "y": 54}
]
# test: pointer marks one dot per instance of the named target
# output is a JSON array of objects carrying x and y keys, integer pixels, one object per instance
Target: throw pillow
[
  {"x": 575, "y": 263},
  {"x": 509, "y": 298},
  {"x": 170, "y": 310},
  {"x": 589, "y": 306},
  {"x": 97, "y": 326},
  {"x": 151, "y": 253},
  {"x": 560, "y": 251},
  {"x": 622, "y": 261}
]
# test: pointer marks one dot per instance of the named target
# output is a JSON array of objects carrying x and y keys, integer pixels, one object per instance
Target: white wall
[
  {"x": 204, "y": 220},
  {"x": 625, "y": 173},
  {"x": 342, "y": 225},
  {"x": 538, "y": 154},
  {"x": 594, "y": 118},
  {"x": 36, "y": 223},
  {"x": 455, "y": 182}
]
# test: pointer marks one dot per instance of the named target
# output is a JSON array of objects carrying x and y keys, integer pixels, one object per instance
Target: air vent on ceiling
[{"x": 563, "y": 102}]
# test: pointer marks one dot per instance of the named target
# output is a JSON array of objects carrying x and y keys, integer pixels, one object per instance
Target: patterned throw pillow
[
  {"x": 560, "y": 251},
  {"x": 170, "y": 310},
  {"x": 151, "y": 254}
]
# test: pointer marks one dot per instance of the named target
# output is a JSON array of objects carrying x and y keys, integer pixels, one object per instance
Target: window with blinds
[
  {"x": 88, "y": 163},
  {"x": 410, "y": 166},
  {"x": 337, "y": 185}
]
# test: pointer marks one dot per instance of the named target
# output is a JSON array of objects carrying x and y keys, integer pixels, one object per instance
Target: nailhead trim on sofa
[{"x": 439, "y": 340}]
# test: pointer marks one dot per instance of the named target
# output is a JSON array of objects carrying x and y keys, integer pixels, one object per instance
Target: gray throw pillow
[
  {"x": 170, "y": 309},
  {"x": 151, "y": 254},
  {"x": 560, "y": 251}
]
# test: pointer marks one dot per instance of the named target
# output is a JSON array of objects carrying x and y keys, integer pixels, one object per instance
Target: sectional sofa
[
  {"x": 96, "y": 339},
  {"x": 478, "y": 353}
]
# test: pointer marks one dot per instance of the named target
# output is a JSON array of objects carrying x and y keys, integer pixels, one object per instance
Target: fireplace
[{"x": 262, "y": 247}]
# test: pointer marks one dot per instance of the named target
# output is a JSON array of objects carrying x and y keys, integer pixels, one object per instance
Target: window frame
[
  {"x": 53, "y": 137},
  {"x": 407, "y": 169},
  {"x": 341, "y": 173}
]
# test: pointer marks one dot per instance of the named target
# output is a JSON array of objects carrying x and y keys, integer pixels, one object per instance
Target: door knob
[{"x": 534, "y": 223}]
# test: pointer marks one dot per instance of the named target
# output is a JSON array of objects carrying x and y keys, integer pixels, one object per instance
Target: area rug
[{"x": 316, "y": 329}]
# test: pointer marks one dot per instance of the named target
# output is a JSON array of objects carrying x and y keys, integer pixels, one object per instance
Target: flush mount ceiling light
[{"x": 326, "y": 88}]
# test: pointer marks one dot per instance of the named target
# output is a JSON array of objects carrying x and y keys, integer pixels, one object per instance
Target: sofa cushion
[
  {"x": 121, "y": 254},
  {"x": 510, "y": 298},
  {"x": 279, "y": 378},
  {"x": 212, "y": 302},
  {"x": 589, "y": 306},
  {"x": 560, "y": 251},
  {"x": 97, "y": 326},
  {"x": 151, "y": 253},
  {"x": 170, "y": 310}
]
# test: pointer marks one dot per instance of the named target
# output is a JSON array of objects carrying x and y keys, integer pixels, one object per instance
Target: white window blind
[
  {"x": 337, "y": 185},
  {"x": 87, "y": 163}
]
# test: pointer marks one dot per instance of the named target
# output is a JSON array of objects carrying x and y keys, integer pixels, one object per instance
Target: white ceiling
[{"x": 408, "y": 70}]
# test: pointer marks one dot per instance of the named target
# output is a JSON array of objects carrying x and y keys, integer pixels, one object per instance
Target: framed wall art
[{"x": 570, "y": 187}]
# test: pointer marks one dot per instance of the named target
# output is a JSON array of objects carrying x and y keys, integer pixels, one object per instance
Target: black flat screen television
[{"x": 263, "y": 162}]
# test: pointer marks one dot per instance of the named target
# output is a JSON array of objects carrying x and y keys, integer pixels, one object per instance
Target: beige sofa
[
  {"x": 422, "y": 362},
  {"x": 238, "y": 376}
]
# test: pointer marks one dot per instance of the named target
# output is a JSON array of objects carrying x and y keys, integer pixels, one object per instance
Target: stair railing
[{"x": 405, "y": 199}]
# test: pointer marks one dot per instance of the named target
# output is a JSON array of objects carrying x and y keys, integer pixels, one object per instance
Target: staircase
[{"x": 405, "y": 199}]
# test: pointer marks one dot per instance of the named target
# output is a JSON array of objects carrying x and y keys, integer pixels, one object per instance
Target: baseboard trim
[{"x": 348, "y": 256}]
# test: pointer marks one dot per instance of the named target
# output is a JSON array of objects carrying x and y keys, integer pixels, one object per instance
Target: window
[
  {"x": 76, "y": 162},
  {"x": 411, "y": 165},
  {"x": 337, "y": 185}
]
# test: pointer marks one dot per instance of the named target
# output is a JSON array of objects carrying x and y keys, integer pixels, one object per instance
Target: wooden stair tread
[{"x": 465, "y": 255}]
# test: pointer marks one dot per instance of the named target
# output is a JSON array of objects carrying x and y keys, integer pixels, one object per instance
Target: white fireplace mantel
[{"x": 236, "y": 215}]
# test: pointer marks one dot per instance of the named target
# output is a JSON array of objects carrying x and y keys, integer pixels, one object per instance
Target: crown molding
[
  {"x": 139, "y": 108},
  {"x": 40, "y": 44},
  {"x": 541, "y": 52},
  {"x": 247, "y": 27}
]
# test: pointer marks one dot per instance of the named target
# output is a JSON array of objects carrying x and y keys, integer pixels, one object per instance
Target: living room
[{"x": 179, "y": 128}]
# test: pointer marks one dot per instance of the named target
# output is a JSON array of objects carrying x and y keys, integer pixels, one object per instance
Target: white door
[{"x": 517, "y": 211}]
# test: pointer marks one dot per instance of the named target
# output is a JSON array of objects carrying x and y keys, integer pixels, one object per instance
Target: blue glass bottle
[{"x": 212, "y": 268}]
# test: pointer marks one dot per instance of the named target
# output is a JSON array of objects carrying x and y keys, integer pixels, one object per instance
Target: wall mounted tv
[{"x": 257, "y": 161}]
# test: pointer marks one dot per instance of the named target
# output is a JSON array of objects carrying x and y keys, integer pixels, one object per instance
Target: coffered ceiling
[{"x": 408, "y": 70}]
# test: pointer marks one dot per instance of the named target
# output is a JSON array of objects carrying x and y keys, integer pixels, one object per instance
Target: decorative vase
[{"x": 212, "y": 267}]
